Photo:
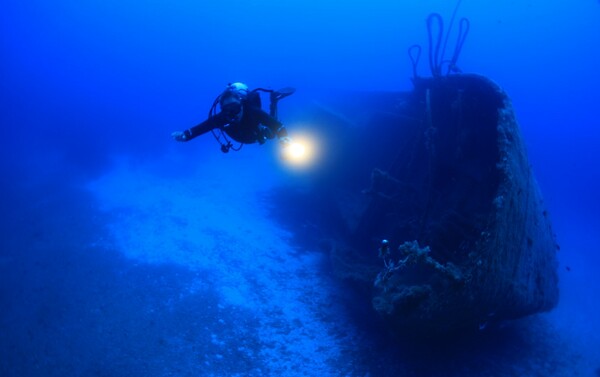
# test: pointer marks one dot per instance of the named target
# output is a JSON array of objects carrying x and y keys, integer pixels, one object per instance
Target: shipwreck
[
  {"x": 465, "y": 238},
  {"x": 444, "y": 226}
]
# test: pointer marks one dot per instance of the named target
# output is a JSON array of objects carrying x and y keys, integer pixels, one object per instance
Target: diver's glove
[
  {"x": 179, "y": 136},
  {"x": 285, "y": 141},
  {"x": 281, "y": 132}
]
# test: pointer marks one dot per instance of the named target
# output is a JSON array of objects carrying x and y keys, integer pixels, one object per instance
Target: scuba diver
[{"x": 241, "y": 118}]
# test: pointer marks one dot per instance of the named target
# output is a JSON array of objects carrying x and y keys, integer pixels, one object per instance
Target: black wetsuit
[{"x": 248, "y": 130}]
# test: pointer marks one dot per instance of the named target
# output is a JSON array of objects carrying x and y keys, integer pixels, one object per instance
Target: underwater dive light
[
  {"x": 296, "y": 151},
  {"x": 300, "y": 152}
]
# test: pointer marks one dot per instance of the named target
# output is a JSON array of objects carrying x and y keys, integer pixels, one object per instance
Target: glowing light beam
[{"x": 301, "y": 152}]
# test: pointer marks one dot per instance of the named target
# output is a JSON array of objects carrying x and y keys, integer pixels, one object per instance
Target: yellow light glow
[
  {"x": 297, "y": 151},
  {"x": 300, "y": 152}
]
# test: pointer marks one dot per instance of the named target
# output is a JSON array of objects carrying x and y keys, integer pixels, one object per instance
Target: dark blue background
[{"x": 81, "y": 82}]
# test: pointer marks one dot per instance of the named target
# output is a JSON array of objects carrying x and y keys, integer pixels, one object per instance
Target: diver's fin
[
  {"x": 277, "y": 95},
  {"x": 287, "y": 90},
  {"x": 282, "y": 93}
]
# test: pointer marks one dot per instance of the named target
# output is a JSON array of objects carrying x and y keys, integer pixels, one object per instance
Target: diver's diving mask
[{"x": 232, "y": 108}]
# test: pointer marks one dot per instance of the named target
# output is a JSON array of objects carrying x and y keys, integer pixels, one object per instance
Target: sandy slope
[{"x": 210, "y": 219}]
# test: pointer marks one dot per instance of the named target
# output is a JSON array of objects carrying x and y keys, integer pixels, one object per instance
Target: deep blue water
[{"x": 84, "y": 82}]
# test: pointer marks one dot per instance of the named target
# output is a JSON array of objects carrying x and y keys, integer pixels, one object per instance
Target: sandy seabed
[
  {"x": 213, "y": 220},
  {"x": 283, "y": 312}
]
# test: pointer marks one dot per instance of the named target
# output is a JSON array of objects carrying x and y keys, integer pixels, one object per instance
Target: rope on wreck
[
  {"x": 436, "y": 56},
  {"x": 463, "y": 31},
  {"x": 450, "y": 28},
  {"x": 414, "y": 59},
  {"x": 434, "y": 52}
]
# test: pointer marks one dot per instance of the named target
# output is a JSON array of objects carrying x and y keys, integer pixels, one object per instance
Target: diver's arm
[
  {"x": 209, "y": 124},
  {"x": 274, "y": 125}
]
